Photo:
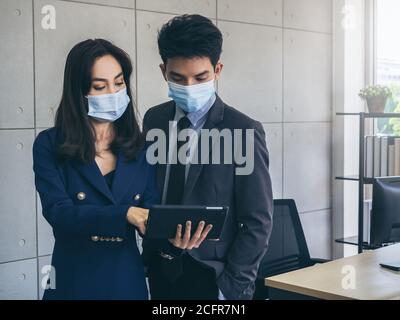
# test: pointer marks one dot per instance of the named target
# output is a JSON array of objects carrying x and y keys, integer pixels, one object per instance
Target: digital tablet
[
  {"x": 164, "y": 219},
  {"x": 395, "y": 266}
]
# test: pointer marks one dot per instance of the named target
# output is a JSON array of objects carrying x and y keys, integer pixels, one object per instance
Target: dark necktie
[{"x": 176, "y": 182}]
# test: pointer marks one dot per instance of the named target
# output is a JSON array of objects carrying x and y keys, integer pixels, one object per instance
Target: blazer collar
[{"x": 124, "y": 175}]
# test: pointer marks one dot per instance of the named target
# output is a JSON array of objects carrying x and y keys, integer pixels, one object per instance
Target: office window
[{"x": 387, "y": 58}]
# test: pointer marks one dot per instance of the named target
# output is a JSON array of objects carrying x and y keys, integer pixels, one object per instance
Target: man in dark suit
[{"x": 190, "y": 267}]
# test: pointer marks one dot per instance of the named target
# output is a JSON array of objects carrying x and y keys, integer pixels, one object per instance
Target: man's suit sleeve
[
  {"x": 153, "y": 248},
  {"x": 254, "y": 208}
]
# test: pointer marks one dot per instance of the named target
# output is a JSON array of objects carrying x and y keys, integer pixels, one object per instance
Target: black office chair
[{"x": 287, "y": 250}]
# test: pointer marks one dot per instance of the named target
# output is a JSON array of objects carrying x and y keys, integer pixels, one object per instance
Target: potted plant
[{"x": 376, "y": 97}]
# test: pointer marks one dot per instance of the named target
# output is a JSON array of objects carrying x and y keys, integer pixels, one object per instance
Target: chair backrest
[
  {"x": 287, "y": 248},
  {"x": 385, "y": 218}
]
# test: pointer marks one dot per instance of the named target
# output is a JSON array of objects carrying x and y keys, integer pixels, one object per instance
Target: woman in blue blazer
[{"x": 93, "y": 179}]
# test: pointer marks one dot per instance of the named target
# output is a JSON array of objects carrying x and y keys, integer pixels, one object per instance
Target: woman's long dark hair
[{"x": 72, "y": 115}]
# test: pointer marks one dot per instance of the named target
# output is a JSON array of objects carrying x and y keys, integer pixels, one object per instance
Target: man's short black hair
[{"x": 189, "y": 36}]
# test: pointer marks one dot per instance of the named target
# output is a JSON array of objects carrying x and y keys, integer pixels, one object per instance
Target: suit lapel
[
  {"x": 124, "y": 176},
  {"x": 93, "y": 175},
  {"x": 216, "y": 115},
  {"x": 163, "y": 124}
]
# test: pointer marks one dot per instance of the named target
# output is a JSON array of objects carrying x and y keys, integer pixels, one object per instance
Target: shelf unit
[{"x": 361, "y": 179}]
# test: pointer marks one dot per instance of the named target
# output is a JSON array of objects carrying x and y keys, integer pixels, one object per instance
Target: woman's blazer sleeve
[
  {"x": 151, "y": 193},
  {"x": 58, "y": 208}
]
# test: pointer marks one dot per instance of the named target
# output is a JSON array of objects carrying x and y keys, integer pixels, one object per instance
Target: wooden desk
[{"x": 324, "y": 281}]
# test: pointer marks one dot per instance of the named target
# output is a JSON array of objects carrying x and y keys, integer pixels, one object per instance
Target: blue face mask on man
[
  {"x": 108, "y": 107},
  {"x": 191, "y": 98}
]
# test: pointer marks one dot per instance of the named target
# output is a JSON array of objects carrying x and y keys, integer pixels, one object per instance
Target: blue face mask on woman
[
  {"x": 108, "y": 107},
  {"x": 191, "y": 98}
]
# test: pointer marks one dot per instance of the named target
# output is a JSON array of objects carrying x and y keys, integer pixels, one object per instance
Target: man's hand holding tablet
[{"x": 186, "y": 241}]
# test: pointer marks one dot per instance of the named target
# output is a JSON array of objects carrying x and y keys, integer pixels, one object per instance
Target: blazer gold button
[
  {"x": 108, "y": 239},
  {"x": 95, "y": 238},
  {"x": 137, "y": 197},
  {"x": 113, "y": 239},
  {"x": 119, "y": 239},
  {"x": 81, "y": 196},
  {"x": 102, "y": 239}
]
